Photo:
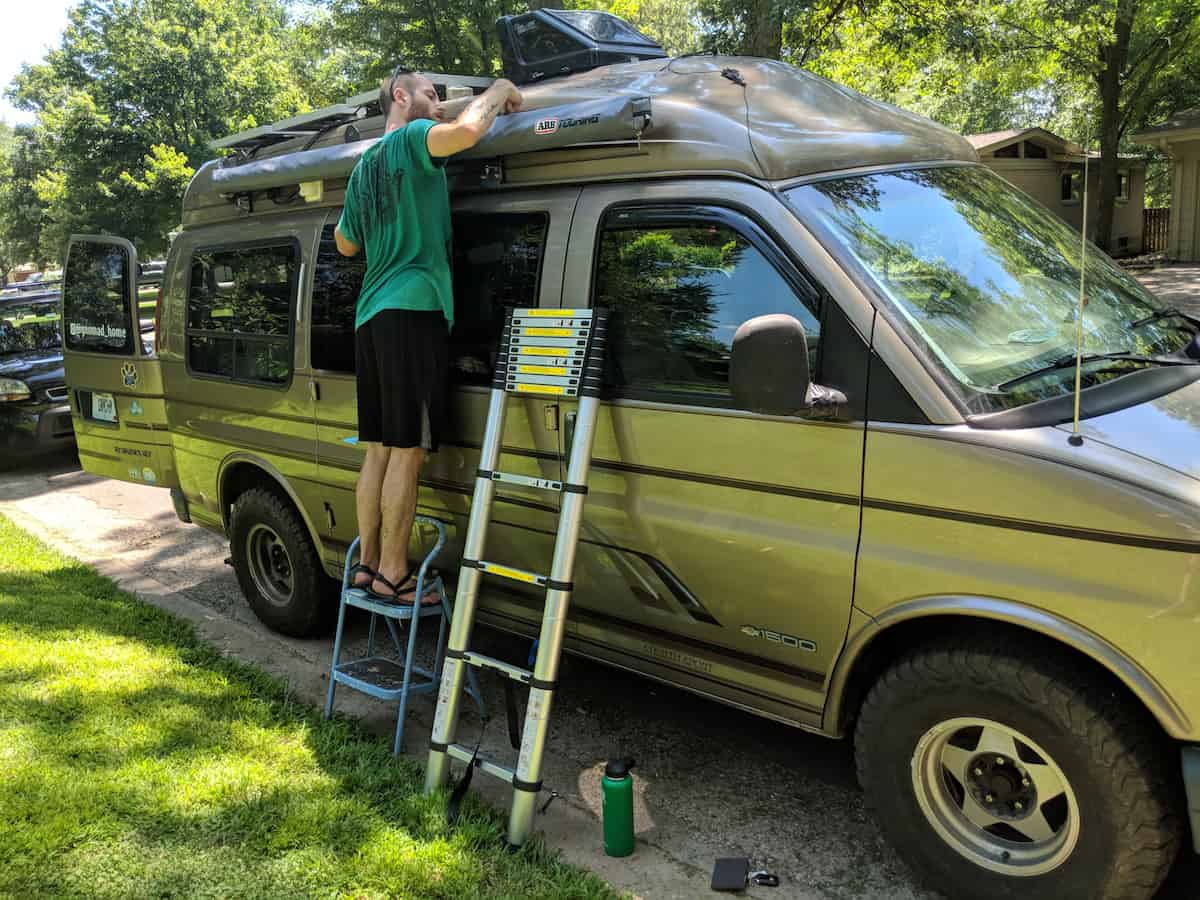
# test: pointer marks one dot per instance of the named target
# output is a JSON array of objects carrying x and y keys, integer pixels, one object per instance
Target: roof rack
[{"x": 314, "y": 123}]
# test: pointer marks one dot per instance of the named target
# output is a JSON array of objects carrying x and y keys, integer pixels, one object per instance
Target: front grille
[{"x": 57, "y": 393}]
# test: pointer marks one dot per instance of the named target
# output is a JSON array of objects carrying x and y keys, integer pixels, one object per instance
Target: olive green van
[{"x": 887, "y": 531}]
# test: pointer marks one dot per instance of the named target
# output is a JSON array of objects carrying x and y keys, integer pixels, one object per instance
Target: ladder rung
[
  {"x": 544, "y": 484},
  {"x": 483, "y": 763},
  {"x": 490, "y": 568},
  {"x": 516, "y": 673}
]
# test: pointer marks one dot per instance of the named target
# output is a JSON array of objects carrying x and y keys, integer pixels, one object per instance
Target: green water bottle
[{"x": 617, "y": 789}]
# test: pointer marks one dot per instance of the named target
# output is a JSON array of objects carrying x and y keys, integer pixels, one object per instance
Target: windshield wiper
[
  {"x": 1067, "y": 361},
  {"x": 1168, "y": 313}
]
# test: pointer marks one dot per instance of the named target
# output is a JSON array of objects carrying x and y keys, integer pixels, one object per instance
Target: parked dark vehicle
[{"x": 35, "y": 415}]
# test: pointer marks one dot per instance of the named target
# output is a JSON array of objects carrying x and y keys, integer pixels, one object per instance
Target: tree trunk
[
  {"x": 1113, "y": 56},
  {"x": 764, "y": 29}
]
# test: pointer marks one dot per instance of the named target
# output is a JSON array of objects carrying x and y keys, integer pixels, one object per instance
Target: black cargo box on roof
[{"x": 549, "y": 42}]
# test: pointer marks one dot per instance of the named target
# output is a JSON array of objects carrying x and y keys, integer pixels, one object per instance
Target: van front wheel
[
  {"x": 1016, "y": 773},
  {"x": 276, "y": 564}
]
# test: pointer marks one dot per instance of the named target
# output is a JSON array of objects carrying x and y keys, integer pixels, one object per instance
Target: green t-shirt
[{"x": 398, "y": 210}]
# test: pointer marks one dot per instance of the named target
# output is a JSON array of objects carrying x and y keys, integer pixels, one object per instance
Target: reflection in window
[
  {"x": 95, "y": 289},
  {"x": 497, "y": 265},
  {"x": 678, "y": 294},
  {"x": 538, "y": 41},
  {"x": 238, "y": 312},
  {"x": 336, "y": 285},
  {"x": 29, "y": 326},
  {"x": 986, "y": 278}
]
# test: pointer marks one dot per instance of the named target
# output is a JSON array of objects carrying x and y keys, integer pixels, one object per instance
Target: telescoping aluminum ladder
[{"x": 543, "y": 352}]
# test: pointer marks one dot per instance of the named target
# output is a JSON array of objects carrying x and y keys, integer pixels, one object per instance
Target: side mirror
[{"x": 769, "y": 369}]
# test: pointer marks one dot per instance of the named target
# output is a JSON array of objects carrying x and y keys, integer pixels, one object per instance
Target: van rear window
[
  {"x": 239, "y": 322},
  {"x": 95, "y": 288}
]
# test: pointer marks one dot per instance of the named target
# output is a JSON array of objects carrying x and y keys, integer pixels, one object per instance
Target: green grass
[{"x": 138, "y": 762}]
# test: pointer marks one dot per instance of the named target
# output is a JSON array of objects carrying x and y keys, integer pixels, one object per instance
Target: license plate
[{"x": 104, "y": 407}]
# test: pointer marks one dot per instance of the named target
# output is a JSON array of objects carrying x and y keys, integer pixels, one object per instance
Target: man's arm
[
  {"x": 345, "y": 246},
  {"x": 446, "y": 139}
]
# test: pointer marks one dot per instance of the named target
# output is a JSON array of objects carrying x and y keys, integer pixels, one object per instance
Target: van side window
[
  {"x": 336, "y": 285},
  {"x": 239, "y": 312},
  {"x": 679, "y": 287},
  {"x": 497, "y": 265}
]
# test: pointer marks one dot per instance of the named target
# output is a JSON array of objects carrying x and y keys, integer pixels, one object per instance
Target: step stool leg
[
  {"x": 408, "y": 666},
  {"x": 337, "y": 651}
]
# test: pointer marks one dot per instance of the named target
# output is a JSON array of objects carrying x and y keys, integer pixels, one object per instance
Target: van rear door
[{"x": 117, "y": 404}]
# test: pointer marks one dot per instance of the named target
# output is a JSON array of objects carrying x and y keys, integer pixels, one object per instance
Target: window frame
[
  {"x": 660, "y": 214},
  {"x": 1076, "y": 198},
  {"x": 294, "y": 279}
]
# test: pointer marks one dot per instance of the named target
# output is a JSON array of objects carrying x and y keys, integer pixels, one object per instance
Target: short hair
[{"x": 401, "y": 75}]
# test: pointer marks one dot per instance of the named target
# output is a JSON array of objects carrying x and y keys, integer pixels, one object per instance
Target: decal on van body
[
  {"x": 129, "y": 374},
  {"x": 776, "y": 637}
]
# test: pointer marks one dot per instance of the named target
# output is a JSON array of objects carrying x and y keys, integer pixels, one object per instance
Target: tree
[
  {"x": 129, "y": 101},
  {"x": 675, "y": 24}
]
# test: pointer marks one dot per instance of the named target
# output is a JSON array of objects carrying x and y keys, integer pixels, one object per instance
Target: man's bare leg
[
  {"x": 367, "y": 496},
  {"x": 398, "y": 507}
]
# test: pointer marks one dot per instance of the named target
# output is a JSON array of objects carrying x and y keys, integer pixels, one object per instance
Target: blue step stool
[{"x": 386, "y": 677}]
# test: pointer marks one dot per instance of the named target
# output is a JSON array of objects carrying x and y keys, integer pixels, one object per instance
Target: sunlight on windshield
[{"x": 984, "y": 276}]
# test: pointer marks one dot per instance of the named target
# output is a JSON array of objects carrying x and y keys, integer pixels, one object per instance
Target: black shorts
[{"x": 401, "y": 360}]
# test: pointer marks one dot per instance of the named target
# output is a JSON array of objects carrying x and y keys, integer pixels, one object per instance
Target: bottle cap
[{"x": 618, "y": 768}]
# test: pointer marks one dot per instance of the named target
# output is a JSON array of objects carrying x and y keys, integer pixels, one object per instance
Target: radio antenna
[{"x": 1076, "y": 439}]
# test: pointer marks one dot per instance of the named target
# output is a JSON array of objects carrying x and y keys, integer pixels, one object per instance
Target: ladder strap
[
  {"x": 543, "y": 685},
  {"x": 532, "y": 787},
  {"x": 553, "y": 585},
  {"x": 438, "y": 748},
  {"x": 574, "y": 488},
  {"x": 455, "y": 654}
]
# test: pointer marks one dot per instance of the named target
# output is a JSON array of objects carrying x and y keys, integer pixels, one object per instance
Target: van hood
[{"x": 1164, "y": 431}]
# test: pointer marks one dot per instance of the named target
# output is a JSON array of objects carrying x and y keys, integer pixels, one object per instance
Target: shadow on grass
[{"x": 147, "y": 764}]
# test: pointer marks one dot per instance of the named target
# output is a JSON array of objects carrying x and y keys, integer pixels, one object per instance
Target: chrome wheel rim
[
  {"x": 995, "y": 796},
  {"x": 270, "y": 565}
]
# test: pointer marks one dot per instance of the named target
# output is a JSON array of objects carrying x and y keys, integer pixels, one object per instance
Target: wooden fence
[{"x": 1155, "y": 224}]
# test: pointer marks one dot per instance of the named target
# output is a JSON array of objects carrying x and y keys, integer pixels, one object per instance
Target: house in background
[
  {"x": 1050, "y": 169},
  {"x": 1179, "y": 138}
]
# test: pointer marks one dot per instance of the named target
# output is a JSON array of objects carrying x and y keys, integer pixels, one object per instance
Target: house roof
[
  {"x": 1184, "y": 120},
  {"x": 991, "y": 139}
]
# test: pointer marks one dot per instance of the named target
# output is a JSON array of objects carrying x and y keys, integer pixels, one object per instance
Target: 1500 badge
[{"x": 778, "y": 637}]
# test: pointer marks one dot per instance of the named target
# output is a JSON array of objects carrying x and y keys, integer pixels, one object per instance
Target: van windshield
[
  {"x": 987, "y": 280},
  {"x": 29, "y": 326}
]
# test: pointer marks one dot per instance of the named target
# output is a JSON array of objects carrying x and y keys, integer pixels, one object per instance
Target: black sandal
[
  {"x": 396, "y": 589},
  {"x": 358, "y": 569}
]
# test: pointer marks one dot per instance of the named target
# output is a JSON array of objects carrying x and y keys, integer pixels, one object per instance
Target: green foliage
[{"x": 130, "y": 99}]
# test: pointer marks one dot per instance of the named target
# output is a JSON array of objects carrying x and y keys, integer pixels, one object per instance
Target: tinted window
[
  {"x": 678, "y": 294},
  {"x": 497, "y": 265},
  {"x": 239, "y": 312},
  {"x": 336, "y": 284},
  {"x": 96, "y": 284}
]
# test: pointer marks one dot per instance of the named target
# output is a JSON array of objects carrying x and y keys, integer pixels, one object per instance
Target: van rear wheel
[
  {"x": 1018, "y": 774},
  {"x": 277, "y": 565}
]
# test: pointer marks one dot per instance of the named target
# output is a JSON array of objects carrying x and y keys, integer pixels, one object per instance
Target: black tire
[
  {"x": 1114, "y": 761},
  {"x": 277, "y": 565}
]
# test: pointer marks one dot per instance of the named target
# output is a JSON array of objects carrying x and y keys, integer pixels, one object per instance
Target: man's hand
[{"x": 473, "y": 123}]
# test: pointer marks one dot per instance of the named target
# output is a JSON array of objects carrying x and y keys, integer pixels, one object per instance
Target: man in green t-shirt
[{"x": 397, "y": 209}]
